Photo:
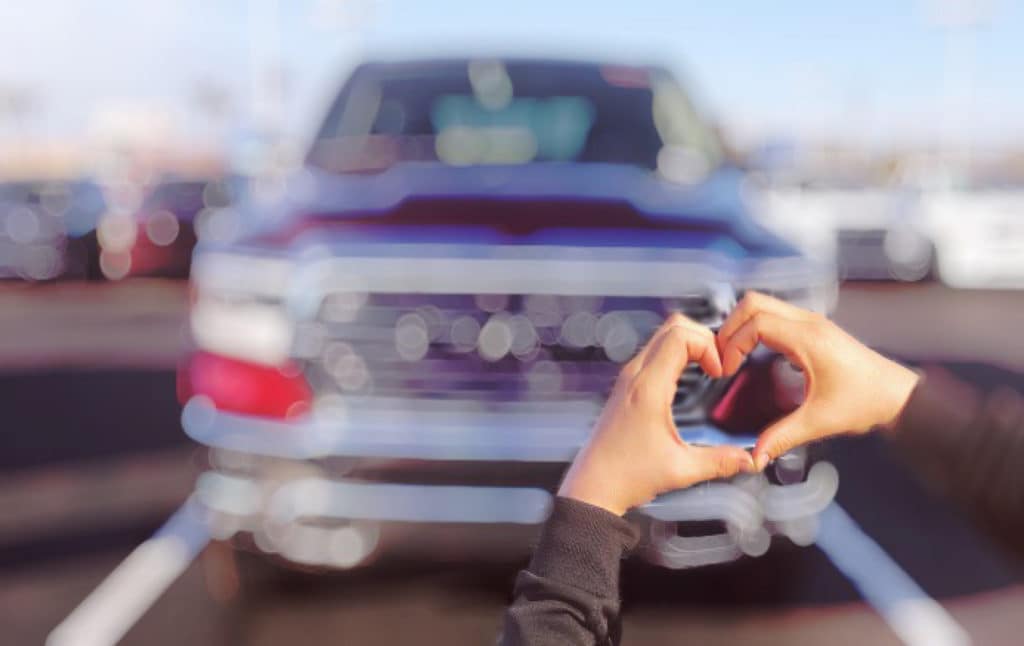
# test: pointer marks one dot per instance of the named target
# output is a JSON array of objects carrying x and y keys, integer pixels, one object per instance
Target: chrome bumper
[
  {"x": 294, "y": 514},
  {"x": 542, "y": 433},
  {"x": 308, "y": 518}
]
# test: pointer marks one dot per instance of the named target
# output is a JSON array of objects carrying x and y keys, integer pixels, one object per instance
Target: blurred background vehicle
[
  {"x": 481, "y": 244},
  {"x": 977, "y": 234},
  {"x": 869, "y": 233},
  {"x": 158, "y": 239},
  {"x": 48, "y": 229},
  {"x": 928, "y": 223}
]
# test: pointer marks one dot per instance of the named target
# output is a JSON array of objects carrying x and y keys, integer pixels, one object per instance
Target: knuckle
[
  {"x": 629, "y": 371},
  {"x": 818, "y": 328},
  {"x": 723, "y": 465},
  {"x": 751, "y": 300},
  {"x": 635, "y": 395},
  {"x": 740, "y": 310},
  {"x": 641, "y": 394},
  {"x": 758, "y": 321},
  {"x": 678, "y": 334},
  {"x": 677, "y": 318},
  {"x": 674, "y": 340},
  {"x": 706, "y": 334},
  {"x": 822, "y": 322},
  {"x": 778, "y": 447}
]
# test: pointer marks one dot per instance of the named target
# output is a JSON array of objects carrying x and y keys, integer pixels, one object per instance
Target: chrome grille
[{"x": 490, "y": 349}]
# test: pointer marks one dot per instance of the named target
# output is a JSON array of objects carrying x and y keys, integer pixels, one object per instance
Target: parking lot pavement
[
  {"x": 94, "y": 461},
  {"x": 936, "y": 323},
  {"x": 141, "y": 324},
  {"x": 459, "y": 605},
  {"x": 134, "y": 324},
  {"x": 53, "y": 509}
]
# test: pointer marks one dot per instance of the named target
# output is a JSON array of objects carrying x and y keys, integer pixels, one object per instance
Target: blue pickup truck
[{"x": 421, "y": 331}]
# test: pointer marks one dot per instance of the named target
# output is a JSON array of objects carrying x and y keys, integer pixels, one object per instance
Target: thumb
[
  {"x": 785, "y": 434},
  {"x": 699, "y": 463}
]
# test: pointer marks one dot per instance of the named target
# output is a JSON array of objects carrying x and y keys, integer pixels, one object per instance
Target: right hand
[
  {"x": 850, "y": 388},
  {"x": 635, "y": 452}
]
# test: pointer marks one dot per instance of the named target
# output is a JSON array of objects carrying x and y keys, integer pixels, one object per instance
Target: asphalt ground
[{"x": 92, "y": 460}]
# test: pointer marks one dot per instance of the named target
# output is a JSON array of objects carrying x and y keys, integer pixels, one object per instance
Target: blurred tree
[
  {"x": 212, "y": 99},
  {"x": 17, "y": 103}
]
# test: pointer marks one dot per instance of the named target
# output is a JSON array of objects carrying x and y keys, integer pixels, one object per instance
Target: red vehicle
[{"x": 159, "y": 238}]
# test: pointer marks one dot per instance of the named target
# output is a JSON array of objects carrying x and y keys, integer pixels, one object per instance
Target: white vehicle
[
  {"x": 866, "y": 233},
  {"x": 930, "y": 227},
  {"x": 978, "y": 236}
]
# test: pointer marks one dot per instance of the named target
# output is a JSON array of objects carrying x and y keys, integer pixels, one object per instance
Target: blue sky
[{"x": 872, "y": 71}]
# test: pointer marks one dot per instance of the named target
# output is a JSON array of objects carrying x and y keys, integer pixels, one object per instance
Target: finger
[
  {"x": 676, "y": 348},
  {"x": 634, "y": 365},
  {"x": 778, "y": 333},
  {"x": 781, "y": 437},
  {"x": 700, "y": 463},
  {"x": 679, "y": 326},
  {"x": 749, "y": 306}
]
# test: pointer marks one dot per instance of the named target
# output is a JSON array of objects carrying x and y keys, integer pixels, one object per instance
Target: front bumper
[
  {"x": 284, "y": 483},
  {"x": 303, "y": 520},
  {"x": 403, "y": 429}
]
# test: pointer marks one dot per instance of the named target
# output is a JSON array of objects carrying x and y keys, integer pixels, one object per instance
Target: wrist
[
  {"x": 900, "y": 383},
  {"x": 597, "y": 492}
]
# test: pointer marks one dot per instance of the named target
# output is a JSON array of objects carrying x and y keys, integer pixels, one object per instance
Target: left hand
[{"x": 635, "y": 452}]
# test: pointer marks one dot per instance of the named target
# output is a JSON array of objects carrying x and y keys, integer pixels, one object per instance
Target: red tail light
[{"x": 243, "y": 387}]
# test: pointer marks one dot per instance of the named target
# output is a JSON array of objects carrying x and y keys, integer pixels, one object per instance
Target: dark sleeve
[
  {"x": 569, "y": 594},
  {"x": 970, "y": 446}
]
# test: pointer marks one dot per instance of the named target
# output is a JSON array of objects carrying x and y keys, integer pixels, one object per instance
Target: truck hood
[{"x": 585, "y": 205}]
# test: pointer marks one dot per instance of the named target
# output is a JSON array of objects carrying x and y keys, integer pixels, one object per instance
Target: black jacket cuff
[{"x": 581, "y": 545}]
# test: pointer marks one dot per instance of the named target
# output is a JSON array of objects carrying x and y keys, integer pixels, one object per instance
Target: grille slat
[{"x": 492, "y": 349}]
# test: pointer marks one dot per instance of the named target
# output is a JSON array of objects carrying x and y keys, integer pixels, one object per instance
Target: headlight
[{"x": 249, "y": 330}]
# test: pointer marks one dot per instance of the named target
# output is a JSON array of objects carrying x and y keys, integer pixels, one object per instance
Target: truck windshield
[{"x": 492, "y": 112}]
